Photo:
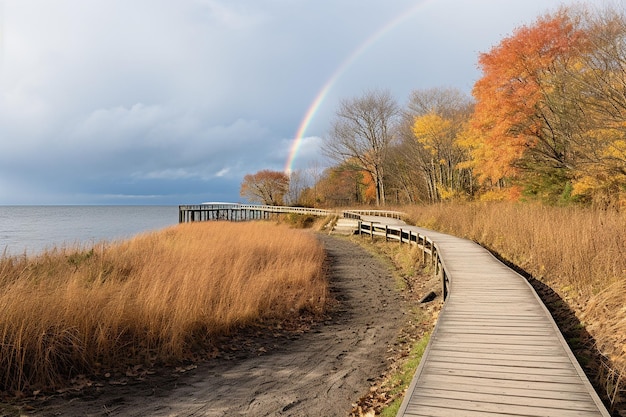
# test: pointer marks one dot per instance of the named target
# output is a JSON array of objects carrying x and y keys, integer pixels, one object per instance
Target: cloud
[
  {"x": 166, "y": 100},
  {"x": 142, "y": 138},
  {"x": 233, "y": 15}
]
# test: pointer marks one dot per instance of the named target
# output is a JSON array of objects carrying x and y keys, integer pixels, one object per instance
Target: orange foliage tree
[
  {"x": 514, "y": 126},
  {"x": 341, "y": 185},
  {"x": 265, "y": 187},
  {"x": 550, "y": 111}
]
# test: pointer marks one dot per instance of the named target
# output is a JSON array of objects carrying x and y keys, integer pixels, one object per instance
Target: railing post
[
  {"x": 433, "y": 262},
  {"x": 372, "y": 231}
]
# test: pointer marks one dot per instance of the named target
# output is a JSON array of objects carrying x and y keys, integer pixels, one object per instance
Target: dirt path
[{"x": 319, "y": 373}]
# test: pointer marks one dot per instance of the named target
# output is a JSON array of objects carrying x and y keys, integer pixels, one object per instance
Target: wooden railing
[
  {"x": 356, "y": 214},
  {"x": 239, "y": 212},
  {"x": 286, "y": 209},
  {"x": 403, "y": 234}
]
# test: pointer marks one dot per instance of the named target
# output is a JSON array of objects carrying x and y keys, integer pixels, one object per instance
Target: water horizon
[{"x": 32, "y": 229}]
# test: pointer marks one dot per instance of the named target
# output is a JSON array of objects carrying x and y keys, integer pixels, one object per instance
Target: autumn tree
[
  {"x": 341, "y": 185},
  {"x": 429, "y": 134},
  {"x": 298, "y": 183},
  {"x": 310, "y": 195},
  {"x": 600, "y": 80},
  {"x": 265, "y": 187},
  {"x": 362, "y": 133},
  {"x": 405, "y": 184},
  {"x": 550, "y": 107},
  {"x": 519, "y": 122}
]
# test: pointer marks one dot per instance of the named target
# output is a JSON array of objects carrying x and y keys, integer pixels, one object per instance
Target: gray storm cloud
[{"x": 154, "y": 101}]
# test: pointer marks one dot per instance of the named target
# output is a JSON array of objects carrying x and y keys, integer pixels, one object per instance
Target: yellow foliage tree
[{"x": 442, "y": 155}]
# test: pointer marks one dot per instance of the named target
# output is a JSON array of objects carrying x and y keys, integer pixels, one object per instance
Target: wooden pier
[{"x": 239, "y": 212}]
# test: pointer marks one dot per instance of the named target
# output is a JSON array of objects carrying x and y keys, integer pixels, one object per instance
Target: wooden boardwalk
[{"x": 495, "y": 350}]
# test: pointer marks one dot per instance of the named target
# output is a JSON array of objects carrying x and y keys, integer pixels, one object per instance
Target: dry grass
[
  {"x": 580, "y": 253},
  {"x": 580, "y": 248},
  {"x": 149, "y": 299}
]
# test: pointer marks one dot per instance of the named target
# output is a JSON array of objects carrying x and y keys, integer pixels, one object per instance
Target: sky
[{"x": 173, "y": 102}]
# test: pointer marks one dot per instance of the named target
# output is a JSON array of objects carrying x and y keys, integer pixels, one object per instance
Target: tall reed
[{"x": 152, "y": 298}]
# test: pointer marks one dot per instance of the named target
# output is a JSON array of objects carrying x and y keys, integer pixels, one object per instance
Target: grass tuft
[{"x": 401, "y": 380}]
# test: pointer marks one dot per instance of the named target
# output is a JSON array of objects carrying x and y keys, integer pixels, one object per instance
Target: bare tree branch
[{"x": 362, "y": 132}]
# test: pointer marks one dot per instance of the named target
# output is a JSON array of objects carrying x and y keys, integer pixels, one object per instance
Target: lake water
[{"x": 31, "y": 229}]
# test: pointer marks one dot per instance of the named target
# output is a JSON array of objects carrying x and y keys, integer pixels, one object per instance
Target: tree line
[{"x": 546, "y": 121}]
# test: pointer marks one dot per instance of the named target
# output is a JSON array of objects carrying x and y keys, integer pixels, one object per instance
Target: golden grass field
[
  {"x": 149, "y": 299},
  {"x": 580, "y": 253}
]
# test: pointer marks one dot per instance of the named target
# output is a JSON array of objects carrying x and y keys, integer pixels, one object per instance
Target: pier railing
[
  {"x": 239, "y": 212},
  {"x": 356, "y": 214},
  {"x": 430, "y": 252}
]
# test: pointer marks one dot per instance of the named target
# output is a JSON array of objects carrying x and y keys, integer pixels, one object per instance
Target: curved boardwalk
[{"x": 495, "y": 350}]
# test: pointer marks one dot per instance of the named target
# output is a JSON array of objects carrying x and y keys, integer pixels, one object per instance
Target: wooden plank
[
  {"x": 577, "y": 403},
  {"x": 463, "y": 354},
  {"x": 505, "y": 349},
  {"x": 463, "y": 406},
  {"x": 552, "y": 362},
  {"x": 514, "y": 310},
  {"x": 509, "y": 369},
  {"x": 505, "y": 387},
  {"x": 442, "y": 411},
  {"x": 479, "y": 323},
  {"x": 468, "y": 338},
  {"x": 475, "y": 321},
  {"x": 501, "y": 304},
  {"x": 547, "y": 389},
  {"x": 496, "y": 330}
]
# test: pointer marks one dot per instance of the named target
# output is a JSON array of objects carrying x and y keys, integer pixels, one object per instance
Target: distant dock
[{"x": 239, "y": 212}]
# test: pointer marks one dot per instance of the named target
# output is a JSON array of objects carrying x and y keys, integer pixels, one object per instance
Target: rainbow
[{"x": 321, "y": 95}]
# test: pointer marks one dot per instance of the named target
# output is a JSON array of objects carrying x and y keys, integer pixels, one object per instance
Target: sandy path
[{"x": 320, "y": 373}]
